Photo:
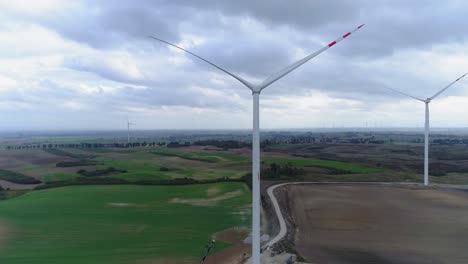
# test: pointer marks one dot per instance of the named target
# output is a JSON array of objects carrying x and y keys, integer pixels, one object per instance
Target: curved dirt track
[
  {"x": 282, "y": 232},
  {"x": 377, "y": 223}
]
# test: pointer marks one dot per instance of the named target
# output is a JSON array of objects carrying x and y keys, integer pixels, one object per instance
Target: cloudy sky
[{"x": 90, "y": 65}]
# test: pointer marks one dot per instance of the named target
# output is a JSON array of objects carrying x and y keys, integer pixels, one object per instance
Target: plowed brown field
[{"x": 339, "y": 224}]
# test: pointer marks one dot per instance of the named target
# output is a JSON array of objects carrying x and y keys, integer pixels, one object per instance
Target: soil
[
  {"x": 208, "y": 201},
  {"x": 20, "y": 160},
  {"x": 232, "y": 235},
  {"x": 378, "y": 224},
  {"x": 212, "y": 191},
  {"x": 34, "y": 157},
  {"x": 38, "y": 174},
  {"x": 236, "y": 254}
]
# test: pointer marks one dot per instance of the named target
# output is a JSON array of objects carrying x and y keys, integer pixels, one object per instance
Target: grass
[
  {"x": 60, "y": 177},
  {"x": 8, "y": 194},
  {"x": 146, "y": 166},
  {"x": 328, "y": 164},
  {"x": 137, "y": 169},
  {"x": 116, "y": 224}
]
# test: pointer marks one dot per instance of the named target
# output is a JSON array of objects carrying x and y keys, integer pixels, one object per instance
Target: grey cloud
[
  {"x": 156, "y": 97},
  {"x": 245, "y": 56},
  {"x": 279, "y": 29},
  {"x": 119, "y": 71},
  {"x": 303, "y": 13},
  {"x": 390, "y": 25}
]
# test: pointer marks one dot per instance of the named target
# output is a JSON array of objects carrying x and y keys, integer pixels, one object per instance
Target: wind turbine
[
  {"x": 256, "y": 89},
  {"x": 128, "y": 131},
  {"x": 426, "y": 124}
]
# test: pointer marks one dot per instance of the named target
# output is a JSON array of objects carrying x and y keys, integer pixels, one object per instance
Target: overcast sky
[{"x": 90, "y": 65}]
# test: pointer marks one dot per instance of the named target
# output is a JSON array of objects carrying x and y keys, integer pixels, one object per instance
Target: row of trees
[
  {"x": 306, "y": 139},
  {"x": 87, "y": 145},
  {"x": 226, "y": 144},
  {"x": 450, "y": 141},
  {"x": 277, "y": 171}
]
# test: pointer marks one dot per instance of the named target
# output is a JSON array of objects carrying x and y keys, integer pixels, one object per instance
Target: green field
[
  {"x": 160, "y": 164},
  {"x": 60, "y": 177},
  {"x": 119, "y": 224},
  {"x": 147, "y": 166}
]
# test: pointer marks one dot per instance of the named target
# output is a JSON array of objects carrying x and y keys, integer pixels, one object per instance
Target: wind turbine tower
[
  {"x": 426, "y": 124},
  {"x": 256, "y": 90},
  {"x": 128, "y": 131}
]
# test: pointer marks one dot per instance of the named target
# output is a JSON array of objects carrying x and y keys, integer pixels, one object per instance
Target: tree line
[
  {"x": 224, "y": 144},
  {"x": 87, "y": 145}
]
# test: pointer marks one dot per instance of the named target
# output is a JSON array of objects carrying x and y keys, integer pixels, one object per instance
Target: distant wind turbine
[
  {"x": 426, "y": 124},
  {"x": 256, "y": 89},
  {"x": 128, "y": 131}
]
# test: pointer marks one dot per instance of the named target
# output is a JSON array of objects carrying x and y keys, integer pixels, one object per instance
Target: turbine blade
[
  {"x": 246, "y": 83},
  {"x": 405, "y": 94},
  {"x": 446, "y": 87},
  {"x": 273, "y": 78}
]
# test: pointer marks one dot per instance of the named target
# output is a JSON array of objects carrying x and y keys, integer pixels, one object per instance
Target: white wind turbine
[
  {"x": 256, "y": 89},
  {"x": 128, "y": 131},
  {"x": 426, "y": 124}
]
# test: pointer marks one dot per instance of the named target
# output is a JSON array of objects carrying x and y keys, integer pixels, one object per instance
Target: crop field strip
[{"x": 115, "y": 224}]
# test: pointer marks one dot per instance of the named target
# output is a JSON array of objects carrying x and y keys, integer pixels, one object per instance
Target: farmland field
[
  {"x": 119, "y": 224},
  {"x": 139, "y": 164},
  {"x": 133, "y": 223},
  {"x": 378, "y": 224},
  {"x": 156, "y": 164},
  {"x": 138, "y": 221}
]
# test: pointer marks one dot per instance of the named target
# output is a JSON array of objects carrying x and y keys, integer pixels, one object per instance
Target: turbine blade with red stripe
[{"x": 273, "y": 78}]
